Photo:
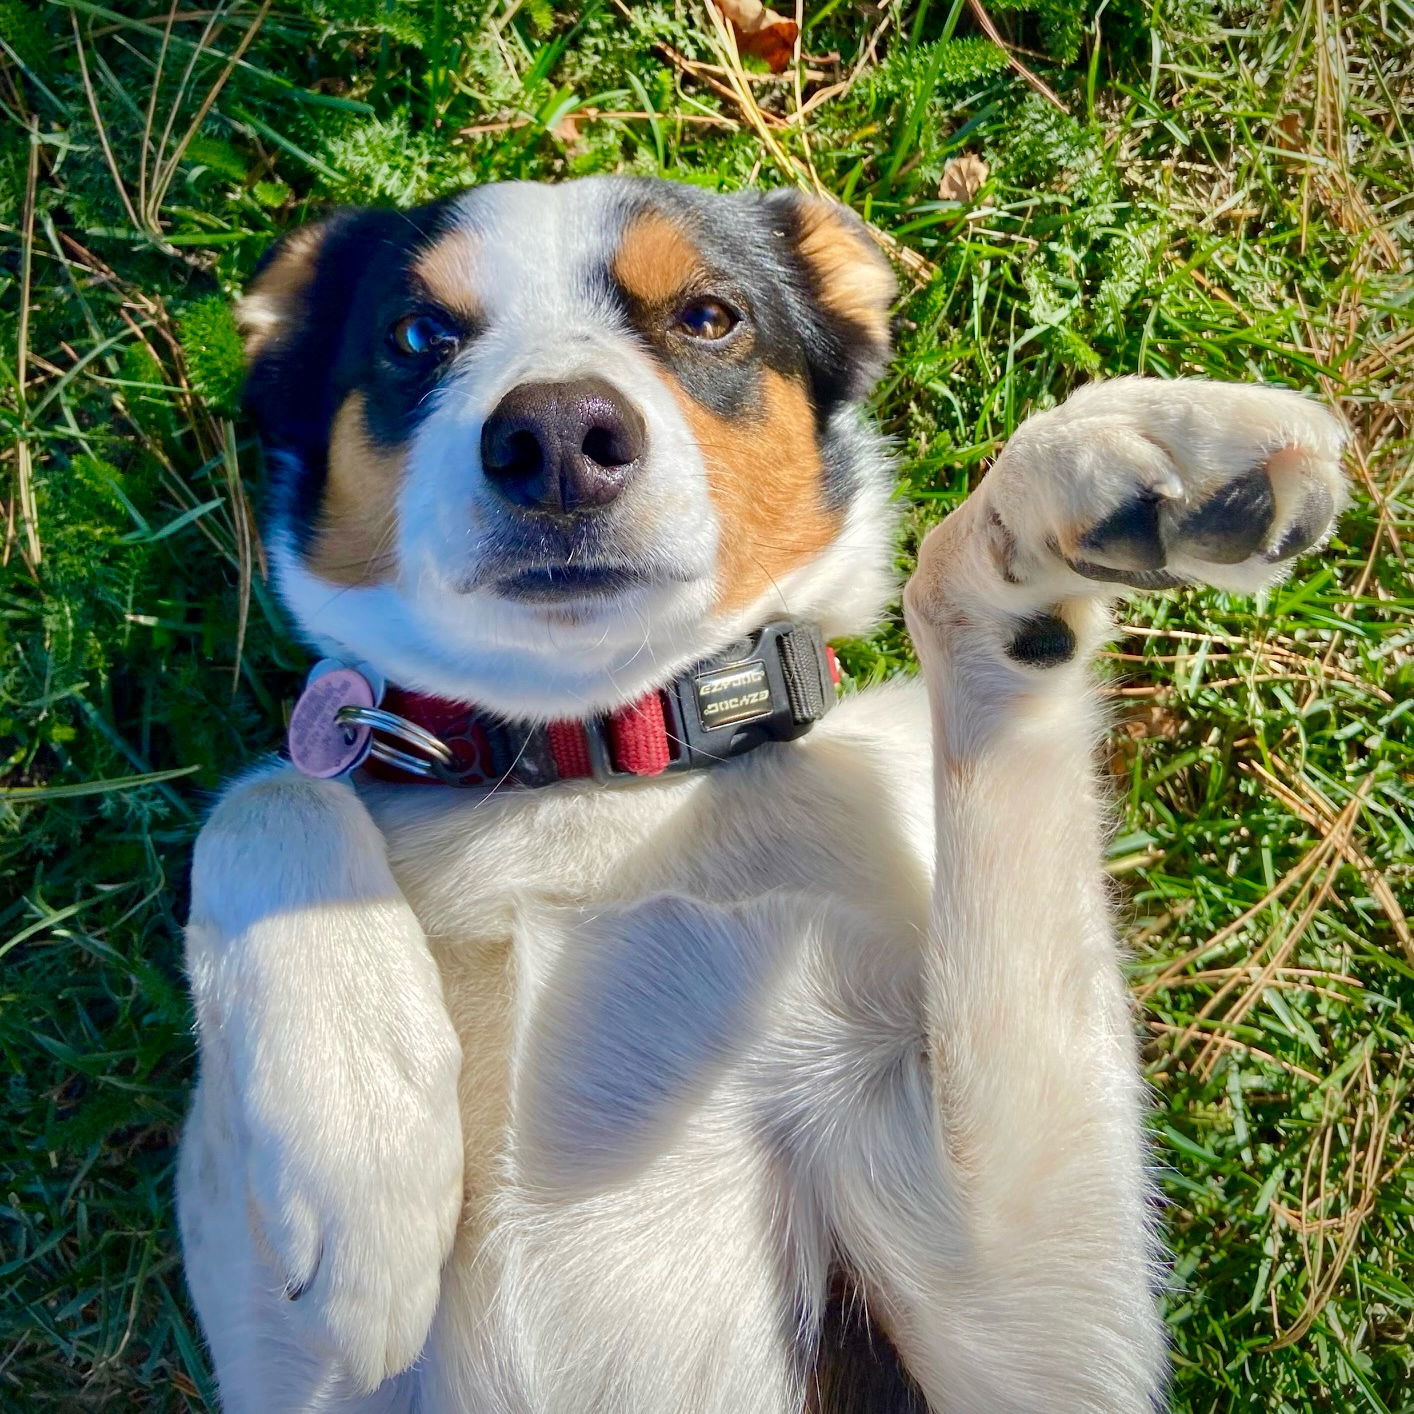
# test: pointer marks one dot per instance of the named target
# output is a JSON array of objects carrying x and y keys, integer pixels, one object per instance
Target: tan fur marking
[
  {"x": 265, "y": 307},
  {"x": 766, "y": 481},
  {"x": 655, "y": 261},
  {"x": 354, "y": 539},
  {"x": 855, "y": 280},
  {"x": 448, "y": 269}
]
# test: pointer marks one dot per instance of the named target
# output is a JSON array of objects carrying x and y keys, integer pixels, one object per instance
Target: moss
[
  {"x": 23, "y": 28},
  {"x": 212, "y": 353}
]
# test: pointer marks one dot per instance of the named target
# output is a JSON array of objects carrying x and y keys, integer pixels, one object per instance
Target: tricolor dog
[{"x": 596, "y": 1016}]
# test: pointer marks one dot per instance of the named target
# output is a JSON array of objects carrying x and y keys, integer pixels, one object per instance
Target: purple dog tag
[{"x": 321, "y": 745}]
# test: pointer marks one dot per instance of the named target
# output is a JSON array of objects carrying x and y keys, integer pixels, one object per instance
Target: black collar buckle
[{"x": 772, "y": 686}]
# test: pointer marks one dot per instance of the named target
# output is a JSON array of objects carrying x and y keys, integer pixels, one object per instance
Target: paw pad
[
  {"x": 1045, "y": 641},
  {"x": 1230, "y": 526},
  {"x": 1240, "y": 520},
  {"x": 1130, "y": 538}
]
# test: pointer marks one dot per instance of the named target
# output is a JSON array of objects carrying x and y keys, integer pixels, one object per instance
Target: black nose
[{"x": 561, "y": 448}]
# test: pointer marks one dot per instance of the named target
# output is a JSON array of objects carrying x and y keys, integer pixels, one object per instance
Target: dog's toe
[
  {"x": 1127, "y": 547},
  {"x": 1231, "y": 525},
  {"x": 1308, "y": 501},
  {"x": 1129, "y": 538},
  {"x": 1267, "y": 514}
]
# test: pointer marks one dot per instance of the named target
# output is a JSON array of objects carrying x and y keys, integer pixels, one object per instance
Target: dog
[{"x": 594, "y": 1014}]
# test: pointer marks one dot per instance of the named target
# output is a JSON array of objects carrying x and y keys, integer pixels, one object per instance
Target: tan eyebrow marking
[
  {"x": 655, "y": 260},
  {"x": 448, "y": 268}
]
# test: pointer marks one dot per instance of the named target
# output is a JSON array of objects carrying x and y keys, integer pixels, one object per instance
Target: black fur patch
[
  {"x": 333, "y": 342},
  {"x": 857, "y": 1368}
]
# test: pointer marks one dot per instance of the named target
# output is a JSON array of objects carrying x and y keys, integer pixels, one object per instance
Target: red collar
[{"x": 773, "y": 686}]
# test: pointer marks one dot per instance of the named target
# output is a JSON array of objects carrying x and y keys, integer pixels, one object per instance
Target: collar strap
[{"x": 773, "y": 686}]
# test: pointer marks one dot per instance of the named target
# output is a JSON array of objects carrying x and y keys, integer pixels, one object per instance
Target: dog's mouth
[{"x": 557, "y": 584}]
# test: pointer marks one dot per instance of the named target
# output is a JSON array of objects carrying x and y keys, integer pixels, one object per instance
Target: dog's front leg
[
  {"x": 321, "y": 1170},
  {"x": 1047, "y": 1303}
]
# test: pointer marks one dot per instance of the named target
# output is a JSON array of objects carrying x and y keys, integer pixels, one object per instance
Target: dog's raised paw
[{"x": 1148, "y": 484}]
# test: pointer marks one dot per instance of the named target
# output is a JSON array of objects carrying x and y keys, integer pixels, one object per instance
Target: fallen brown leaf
[
  {"x": 1152, "y": 720},
  {"x": 567, "y": 130},
  {"x": 963, "y": 177},
  {"x": 760, "y": 32},
  {"x": 1289, "y": 132}
]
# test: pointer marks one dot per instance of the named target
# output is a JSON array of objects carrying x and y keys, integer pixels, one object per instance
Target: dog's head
[{"x": 542, "y": 447}]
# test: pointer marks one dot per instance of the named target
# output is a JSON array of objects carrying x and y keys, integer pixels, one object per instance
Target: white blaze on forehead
[
  {"x": 540, "y": 251},
  {"x": 535, "y": 263}
]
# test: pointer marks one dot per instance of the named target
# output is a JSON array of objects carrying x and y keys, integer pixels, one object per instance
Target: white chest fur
[
  {"x": 505, "y": 886},
  {"x": 844, "y": 814}
]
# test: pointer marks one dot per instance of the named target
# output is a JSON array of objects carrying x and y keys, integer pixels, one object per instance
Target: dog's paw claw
[{"x": 296, "y": 1287}]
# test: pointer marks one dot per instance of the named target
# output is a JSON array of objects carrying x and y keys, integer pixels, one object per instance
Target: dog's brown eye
[
  {"x": 708, "y": 319},
  {"x": 423, "y": 336}
]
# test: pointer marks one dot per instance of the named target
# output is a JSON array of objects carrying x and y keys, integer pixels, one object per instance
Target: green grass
[{"x": 1227, "y": 192}]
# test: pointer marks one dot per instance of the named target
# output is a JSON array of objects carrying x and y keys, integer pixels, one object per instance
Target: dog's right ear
[{"x": 294, "y": 318}]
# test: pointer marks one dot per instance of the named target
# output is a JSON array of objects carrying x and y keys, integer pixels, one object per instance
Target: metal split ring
[{"x": 409, "y": 733}]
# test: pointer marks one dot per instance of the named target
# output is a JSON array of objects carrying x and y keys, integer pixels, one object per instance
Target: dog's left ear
[
  {"x": 851, "y": 289},
  {"x": 297, "y": 316}
]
